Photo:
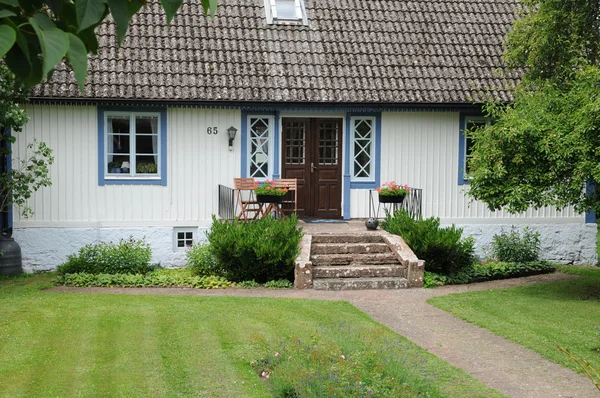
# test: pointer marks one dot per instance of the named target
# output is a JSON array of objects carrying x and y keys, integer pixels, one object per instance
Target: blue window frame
[
  {"x": 465, "y": 144},
  {"x": 132, "y": 146},
  {"x": 362, "y": 151}
]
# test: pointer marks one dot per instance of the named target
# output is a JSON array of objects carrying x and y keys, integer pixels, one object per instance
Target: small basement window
[
  {"x": 184, "y": 238},
  {"x": 286, "y": 12}
]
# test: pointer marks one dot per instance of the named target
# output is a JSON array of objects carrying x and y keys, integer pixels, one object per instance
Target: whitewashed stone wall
[
  {"x": 560, "y": 243},
  {"x": 46, "y": 248}
]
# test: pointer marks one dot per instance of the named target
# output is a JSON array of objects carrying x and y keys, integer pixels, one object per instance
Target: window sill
[
  {"x": 362, "y": 184},
  {"x": 133, "y": 181}
]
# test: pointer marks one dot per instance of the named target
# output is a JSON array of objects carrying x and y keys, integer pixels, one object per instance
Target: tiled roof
[{"x": 375, "y": 51}]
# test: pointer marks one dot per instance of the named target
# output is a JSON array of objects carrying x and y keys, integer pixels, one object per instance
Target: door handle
[{"x": 312, "y": 167}]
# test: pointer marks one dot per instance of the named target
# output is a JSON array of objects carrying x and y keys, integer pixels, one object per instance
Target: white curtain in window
[
  {"x": 110, "y": 139},
  {"x": 154, "y": 128}
]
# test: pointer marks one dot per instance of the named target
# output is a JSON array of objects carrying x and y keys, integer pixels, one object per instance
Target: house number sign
[{"x": 212, "y": 130}]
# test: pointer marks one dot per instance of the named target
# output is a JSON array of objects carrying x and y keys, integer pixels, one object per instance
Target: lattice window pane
[
  {"x": 328, "y": 143},
  {"x": 294, "y": 142},
  {"x": 363, "y": 134},
  {"x": 259, "y": 147}
]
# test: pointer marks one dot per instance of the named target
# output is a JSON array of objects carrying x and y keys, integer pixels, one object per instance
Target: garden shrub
[
  {"x": 443, "y": 249},
  {"x": 126, "y": 257},
  {"x": 489, "y": 271},
  {"x": 201, "y": 261},
  {"x": 516, "y": 247},
  {"x": 260, "y": 250}
]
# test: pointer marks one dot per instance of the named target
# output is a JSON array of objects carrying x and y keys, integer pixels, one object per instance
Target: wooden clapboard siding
[
  {"x": 196, "y": 164},
  {"x": 421, "y": 149}
]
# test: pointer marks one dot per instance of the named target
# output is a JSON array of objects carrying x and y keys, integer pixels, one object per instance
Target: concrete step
[
  {"x": 354, "y": 238},
  {"x": 343, "y": 248},
  {"x": 353, "y": 259},
  {"x": 359, "y": 283},
  {"x": 359, "y": 271}
]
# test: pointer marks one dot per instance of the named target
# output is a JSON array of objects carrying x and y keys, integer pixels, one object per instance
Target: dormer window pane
[
  {"x": 286, "y": 9},
  {"x": 285, "y": 12}
]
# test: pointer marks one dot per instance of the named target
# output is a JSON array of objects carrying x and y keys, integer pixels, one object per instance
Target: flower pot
[
  {"x": 392, "y": 199},
  {"x": 113, "y": 170},
  {"x": 269, "y": 198}
]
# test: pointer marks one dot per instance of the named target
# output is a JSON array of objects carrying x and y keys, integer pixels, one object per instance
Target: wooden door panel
[
  {"x": 312, "y": 153},
  {"x": 296, "y": 160},
  {"x": 328, "y": 176}
]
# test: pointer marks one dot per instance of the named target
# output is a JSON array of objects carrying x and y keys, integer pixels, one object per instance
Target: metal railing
[
  {"x": 227, "y": 206},
  {"x": 413, "y": 204}
]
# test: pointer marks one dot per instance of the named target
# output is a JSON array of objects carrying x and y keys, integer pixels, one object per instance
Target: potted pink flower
[
  {"x": 267, "y": 192},
  {"x": 390, "y": 192}
]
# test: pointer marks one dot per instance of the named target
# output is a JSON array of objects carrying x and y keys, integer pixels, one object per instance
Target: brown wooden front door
[{"x": 312, "y": 153}]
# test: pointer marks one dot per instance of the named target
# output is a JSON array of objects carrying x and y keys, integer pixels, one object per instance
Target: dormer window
[{"x": 286, "y": 12}]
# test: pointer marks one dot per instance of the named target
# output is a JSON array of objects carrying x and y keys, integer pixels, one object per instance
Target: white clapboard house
[{"x": 342, "y": 94}]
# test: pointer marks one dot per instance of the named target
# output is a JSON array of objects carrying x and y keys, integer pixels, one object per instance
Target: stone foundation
[
  {"x": 43, "y": 249},
  {"x": 560, "y": 243}
]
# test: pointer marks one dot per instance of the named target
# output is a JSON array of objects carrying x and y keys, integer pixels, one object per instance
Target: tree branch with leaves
[
  {"x": 36, "y": 35},
  {"x": 543, "y": 149}
]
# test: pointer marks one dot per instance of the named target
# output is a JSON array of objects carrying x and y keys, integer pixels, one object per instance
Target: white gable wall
[
  {"x": 197, "y": 163},
  {"x": 418, "y": 148},
  {"x": 421, "y": 149},
  {"x": 76, "y": 210}
]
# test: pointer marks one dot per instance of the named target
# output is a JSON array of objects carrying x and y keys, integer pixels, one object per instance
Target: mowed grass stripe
[{"x": 163, "y": 346}]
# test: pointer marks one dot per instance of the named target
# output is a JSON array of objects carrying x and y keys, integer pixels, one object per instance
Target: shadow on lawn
[{"x": 586, "y": 288}]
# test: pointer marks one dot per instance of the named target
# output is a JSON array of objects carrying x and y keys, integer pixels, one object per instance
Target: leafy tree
[
  {"x": 63, "y": 28},
  {"x": 544, "y": 147},
  {"x": 29, "y": 173}
]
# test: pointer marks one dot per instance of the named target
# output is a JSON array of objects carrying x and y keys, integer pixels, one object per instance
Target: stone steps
[
  {"x": 360, "y": 271},
  {"x": 359, "y": 283},
  {"x": 341, "y": 238},
  {"x": 355, "y": 262},
  {"x": 347, "y": 248},
  {"x": 354, "y": 259}
]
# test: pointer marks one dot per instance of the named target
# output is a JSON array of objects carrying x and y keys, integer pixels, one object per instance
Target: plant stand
[
  {"x": 273, "y": 203},
  {"x": 389, "y": 204}
]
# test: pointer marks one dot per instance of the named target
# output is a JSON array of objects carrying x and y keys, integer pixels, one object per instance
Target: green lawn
[
  {"x": 539, "y": 317},
  {"x": 54, "y": 344}
]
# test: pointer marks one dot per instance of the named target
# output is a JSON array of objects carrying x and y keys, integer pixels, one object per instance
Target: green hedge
[
  {"x": 260, "y": 250},
  {"x": 443, "y": 249},
  {"x": 488, "y": 272},
  {"x": 126, "y": 257}
]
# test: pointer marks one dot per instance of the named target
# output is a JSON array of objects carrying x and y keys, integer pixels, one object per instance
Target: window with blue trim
[
  {"x": 132, "y": 147},
  {"x": 260, "y": 148},
  {"x": 362, "y": 147},
  {"x": 468, "y": 124}
]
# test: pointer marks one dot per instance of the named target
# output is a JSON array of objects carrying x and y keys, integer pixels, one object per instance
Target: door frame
[{"x": 343, "y": 116}]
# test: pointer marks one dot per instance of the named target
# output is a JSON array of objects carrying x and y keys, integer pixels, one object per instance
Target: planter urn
[
  {"x": 392, "y": 199},
  {"x": 269, "y": 198}
]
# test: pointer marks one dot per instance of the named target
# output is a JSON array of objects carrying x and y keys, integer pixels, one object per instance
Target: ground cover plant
[
  {"x": 58, "y": 344},
  {"x": 157, "y": 278},
  {"x": 492, "y": 270},
  {"x": 260, "y": 250},
  {"x": 164, "y": 277},
  {"x": 540, "y": 317}
]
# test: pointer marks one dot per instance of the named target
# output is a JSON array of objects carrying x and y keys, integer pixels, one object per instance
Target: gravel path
[{"x": 505, "y": 366}]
